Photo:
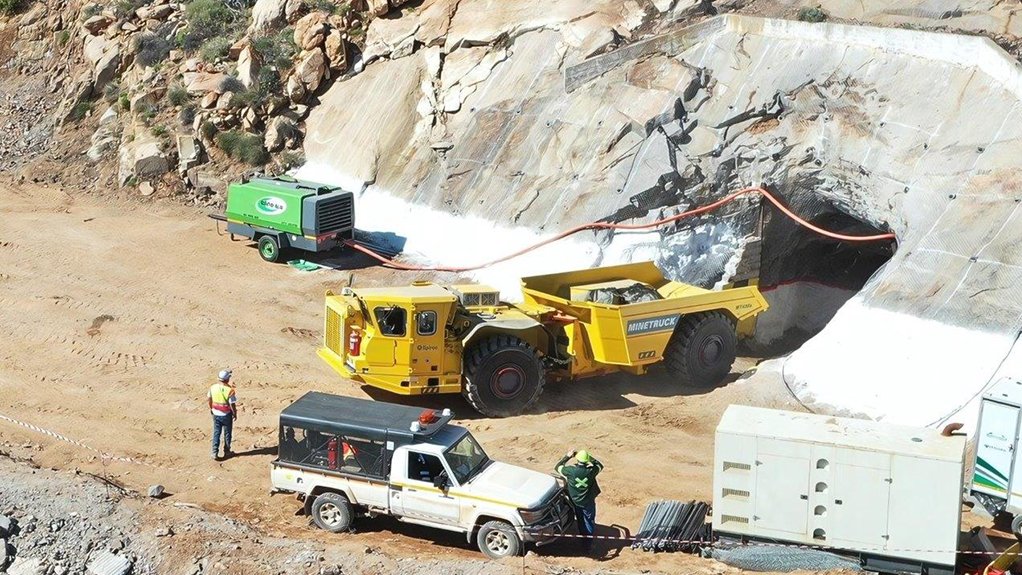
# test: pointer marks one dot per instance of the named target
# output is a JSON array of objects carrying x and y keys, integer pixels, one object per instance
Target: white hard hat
[{"x": 225, "y": 375}]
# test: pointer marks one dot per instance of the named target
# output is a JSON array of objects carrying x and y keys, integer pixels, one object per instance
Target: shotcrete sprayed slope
[{"x": 908, "y": 131}]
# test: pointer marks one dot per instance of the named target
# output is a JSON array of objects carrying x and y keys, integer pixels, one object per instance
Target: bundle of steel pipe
[{"x": 672, "y": 526}]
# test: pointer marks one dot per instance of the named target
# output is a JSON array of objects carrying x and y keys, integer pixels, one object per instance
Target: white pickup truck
[{"x": 347, "y": 456}]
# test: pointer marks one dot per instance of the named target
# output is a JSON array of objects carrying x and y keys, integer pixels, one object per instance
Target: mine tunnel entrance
[{"x": 807, "y": 277}]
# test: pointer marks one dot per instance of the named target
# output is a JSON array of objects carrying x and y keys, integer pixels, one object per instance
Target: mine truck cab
[{"x": 346, "y": 457}]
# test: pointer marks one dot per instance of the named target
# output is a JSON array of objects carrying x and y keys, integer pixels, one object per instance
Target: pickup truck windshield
[{"x": 466, "y": 458}]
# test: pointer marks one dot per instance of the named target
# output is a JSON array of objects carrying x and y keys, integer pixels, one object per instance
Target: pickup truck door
[{"x": 413, "y": 495}]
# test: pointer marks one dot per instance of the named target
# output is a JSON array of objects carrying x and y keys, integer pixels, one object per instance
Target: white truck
[
  {"x": 346, "y": 457},
  {"x": 996, "y": 485}
]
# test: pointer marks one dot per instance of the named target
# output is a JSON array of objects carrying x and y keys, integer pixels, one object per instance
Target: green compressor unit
[{"x": 282, "y": 213}]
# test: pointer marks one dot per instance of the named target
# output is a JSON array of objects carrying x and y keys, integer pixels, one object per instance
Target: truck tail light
[
  {"x": 427, "y": 416},
  {"x": 355, "y": 343}
]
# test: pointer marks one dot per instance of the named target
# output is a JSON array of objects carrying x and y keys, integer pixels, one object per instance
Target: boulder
[
  {"x": 156, "y": 491},
  {"x": 198, "y": 83},
  {"x": 146, "y": 189},
  {"x": 234, "y": 52},
  {"x": 107, "y": 563},
  {"x": 160, "y": 12},
  {"x": 295, "y": 89},
  {"x": 96, "y": 46},
  {"x": 96, "y": 24},
  {"x": 225, "y": 101},
  {"x": 148, "y": 97},
  {"x": 311, "y": 30},
  {"x": 267, "y": 15},
  {"x": 336, "y": 51},
  {"x": 311, "y": 69},
  {"x": 250, "y": 121},
  {"x": 377, "y": 7},
  {"x": 142, "y": 158},
  {"x": 209, "y": 100},
  {"x": 6, "y": 526},
  {"x": 278, "y": 131},
  {"x": 106, "y": 68},
  {"x": 249, "y": 64},
  {"x": 3, "y": 554},
  {"x": 203, "y": 179},
  {"x": 22, "y": 566},
  {"x": 292, "y": 10}
]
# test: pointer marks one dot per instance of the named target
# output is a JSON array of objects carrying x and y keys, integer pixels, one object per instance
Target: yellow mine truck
[{"x": 431, "y": 339}]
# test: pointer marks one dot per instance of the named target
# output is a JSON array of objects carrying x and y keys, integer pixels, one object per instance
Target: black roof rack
[{"x": 360, "y": 417}]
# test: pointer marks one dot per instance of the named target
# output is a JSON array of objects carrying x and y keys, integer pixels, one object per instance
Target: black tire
[
  {"x": 498, "y": 539},
  {"x": 332, "y": 512},
  {"x": 269, "y": 249},
  {"x": 1016, "y": 526},
  {"x": 702, "y": 349},
  {"x": 503, "y": 376}
]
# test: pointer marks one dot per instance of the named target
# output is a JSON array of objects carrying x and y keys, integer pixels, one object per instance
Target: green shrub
[
  {"x": 207, "y": 130},
  {"x": 215, "y": 49},
  {"x": 812, "y": 15},
  {"x": 111, "y": 92},
  {"x": 187, "y": 115},
  {"x": 125, "y": 102},
  {"x": 178, "y": 95},
  {"x": 289, "y": 160},
  {"x": 145, "y": 110},
  {"x": 81, "y": 110},
  {"x": 63, "y": 37},
  {"x": 278, "y": 50},
  {"x": 8, "y": 7},
  {"x": 243, "y": 147},
  {"x": 210, "y": 19},
  {"x": 151, "y": 49},
  {"x": 328, "y": 6},
  {"x": 160, "y": 131},
  {"x": 126, "y": 8},
  {"x": 267, "y": 84},
  {"x": 91, "y": 10},
  {"x": 231, "y": 84}
]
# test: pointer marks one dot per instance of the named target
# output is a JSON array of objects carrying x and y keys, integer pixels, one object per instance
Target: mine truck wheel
[
  {"x": 503, "y": 376},
  {"x": 332, "y": 512},
  {"x": 269, "y": 249},
  {"x": 702, "y": 349},
  {"x": 498, "y": 539}
]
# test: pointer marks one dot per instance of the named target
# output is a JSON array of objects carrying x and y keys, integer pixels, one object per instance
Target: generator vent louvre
[
  {"x": 488, "y": 299},
  {"x": 729, "y": 465},
  {"x": 728, "y": 492},
  {"x": 335, "y": 214},
  {"x": 734, "y": 519},
  {"x": 470, "y": 299},
  {"x": 333, "y": 331}
]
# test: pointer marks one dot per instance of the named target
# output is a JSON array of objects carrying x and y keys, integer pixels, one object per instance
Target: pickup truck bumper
[{"x": 558, "y": 525}]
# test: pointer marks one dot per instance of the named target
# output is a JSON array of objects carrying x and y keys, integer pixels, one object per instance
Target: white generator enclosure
[
  {"x": 889, "y": 494},
  {"x": 996, "y": 468}
]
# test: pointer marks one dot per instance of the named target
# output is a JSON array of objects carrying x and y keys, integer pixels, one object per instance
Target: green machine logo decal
[{"x": 271, "y": 206}]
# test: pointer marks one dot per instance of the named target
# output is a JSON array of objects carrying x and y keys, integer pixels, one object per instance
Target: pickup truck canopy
[{"x": 372, "y": 420}]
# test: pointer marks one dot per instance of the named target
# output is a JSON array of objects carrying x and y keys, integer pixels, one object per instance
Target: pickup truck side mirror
[{"x": 441, "y": 482}]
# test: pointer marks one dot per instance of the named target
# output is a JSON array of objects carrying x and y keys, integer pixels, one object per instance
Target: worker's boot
[
  {"x": 228, "y": 453},
  {"x": 213, "y": 456}
]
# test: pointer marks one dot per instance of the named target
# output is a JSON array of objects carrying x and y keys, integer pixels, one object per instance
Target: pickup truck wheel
[
  {"x": 332, "y": 512},
  {"x": 498, "y": 539},
  {"x": 702, "y": 349},
  {"x": 1016, "y": 526},
  {"x": 503, "y": 376},
  {"x": 269, "y": 249}
]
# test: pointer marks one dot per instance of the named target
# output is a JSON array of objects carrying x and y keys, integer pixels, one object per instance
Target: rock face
[
  {"x": 311, "y": 31},
  {"x": 199, "y": 83},
  {"x": 249, "y": 63},
  {"x": 280, "y": 131},
  {"x": 142, "y": 157},
  {"x": 336, "y": 50},
  {"x": 311, "y": 69}
]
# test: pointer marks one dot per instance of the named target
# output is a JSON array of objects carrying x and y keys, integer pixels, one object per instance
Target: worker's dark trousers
[
  {"x": 586, "y": 517},
  {"x": 225, "y": 423}
]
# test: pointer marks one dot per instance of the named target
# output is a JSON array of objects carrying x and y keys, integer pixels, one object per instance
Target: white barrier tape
[
  {"x": 102, "y": 455},
  {"x": 703, "y": 543}
]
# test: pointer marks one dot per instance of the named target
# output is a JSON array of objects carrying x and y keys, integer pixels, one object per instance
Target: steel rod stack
[{"x": 672, "y": 526}]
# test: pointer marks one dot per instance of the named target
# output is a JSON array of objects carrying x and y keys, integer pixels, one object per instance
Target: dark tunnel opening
[{"x": 807, "y": 277}]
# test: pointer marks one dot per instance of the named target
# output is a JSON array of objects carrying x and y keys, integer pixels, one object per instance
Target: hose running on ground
[{"x": 612, "y": 226}]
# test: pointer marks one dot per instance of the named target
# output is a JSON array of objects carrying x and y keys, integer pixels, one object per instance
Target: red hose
[{"x": 611, "y": 226}]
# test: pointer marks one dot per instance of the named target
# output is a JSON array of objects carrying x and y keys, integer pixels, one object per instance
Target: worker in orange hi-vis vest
[{"x": 223, "y": 405}]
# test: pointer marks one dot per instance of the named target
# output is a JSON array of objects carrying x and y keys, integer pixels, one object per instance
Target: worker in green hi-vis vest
[{"x": 583, "y": 489}]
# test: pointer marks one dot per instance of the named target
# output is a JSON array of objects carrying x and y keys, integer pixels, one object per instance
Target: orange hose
[{"x": 611, "y": 226}]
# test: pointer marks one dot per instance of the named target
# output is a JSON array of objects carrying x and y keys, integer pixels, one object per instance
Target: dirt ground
[{"x": 115, "y": 316}]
